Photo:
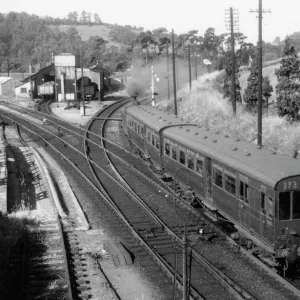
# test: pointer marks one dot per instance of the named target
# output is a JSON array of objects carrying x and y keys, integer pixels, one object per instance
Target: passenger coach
[{"x": 258, "y": 190}]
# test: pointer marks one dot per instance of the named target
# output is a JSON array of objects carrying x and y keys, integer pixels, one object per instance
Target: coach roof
[
  {"x": 152, "y": 117},
  {"x": 244, "y": 156}
]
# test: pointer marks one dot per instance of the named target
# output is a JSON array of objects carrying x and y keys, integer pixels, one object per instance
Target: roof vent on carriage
[
  {"x": 237, "y": 139},
  {"x": 234, "y": 148},
  {"x": 227, "y": 135},
  {"x": 205, "y": 137},
  {"x": 187, "y": 130},
  {"x": 217, "y": 132},
  {"x": 214, "y": 141},
  {"x": 196, "y": 133},
  {"x": 248, "y": 154}
]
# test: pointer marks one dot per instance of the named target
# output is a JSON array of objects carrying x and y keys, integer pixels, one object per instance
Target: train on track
[{"x": 255, "y": 189}]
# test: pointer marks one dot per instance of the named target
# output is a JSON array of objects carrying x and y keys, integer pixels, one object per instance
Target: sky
[{"x": 181, "y": 16}]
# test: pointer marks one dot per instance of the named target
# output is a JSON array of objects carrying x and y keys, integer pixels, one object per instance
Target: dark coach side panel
[{"x": 224, "y": 190}]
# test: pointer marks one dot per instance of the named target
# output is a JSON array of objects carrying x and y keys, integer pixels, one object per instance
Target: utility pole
[
  {"x": 99, "y": 87},
  {"x": 260, "y": 11},
  {"x": 75, "y": 84},
  {"x": 184, "y": 271},
  {"x": 168, "y": 71},
  {"x": 195, "y": 62},
  {"x": 82, "y": 86},
  {"x": 233, "y": 22},
  {"x": 8, "y": 67},
  {"x": 174, "y": 74},
  {"x": 190, "y": 71}
]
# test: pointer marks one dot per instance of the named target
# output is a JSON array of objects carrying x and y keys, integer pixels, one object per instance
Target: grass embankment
[
  {"x": 12, "y": 228},
  {"x": 205, "y": 105}
]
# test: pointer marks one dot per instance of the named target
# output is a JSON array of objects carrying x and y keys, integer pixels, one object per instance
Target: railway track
[
  {"x": 164, "y": 235},
  {"x": 48, "y": 260}
]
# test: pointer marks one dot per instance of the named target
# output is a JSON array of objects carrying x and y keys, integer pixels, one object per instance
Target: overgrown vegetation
[
  {"x": 288, "y": 87},
  {"x": 251, "y": 92},
  {"x": 206, "y": 105}
]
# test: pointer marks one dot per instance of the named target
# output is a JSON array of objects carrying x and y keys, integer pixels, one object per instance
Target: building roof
[
  {"x": 97, "y": 68},
  {"x": 16, "y": 76},
  {"x": 240, "y": 155},
  {"x": 4, "y": 79}
]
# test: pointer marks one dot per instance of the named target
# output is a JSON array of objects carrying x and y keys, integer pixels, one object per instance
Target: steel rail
[
  {"x": 66, "y": 266},
  {"x": 167, "y": 188},
  {"x": 157, "y": 258},
  {"x": 223, "y": 279}
]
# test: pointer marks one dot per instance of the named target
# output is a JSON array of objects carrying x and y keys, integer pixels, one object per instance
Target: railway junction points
[{"x": 94, "y": 252}]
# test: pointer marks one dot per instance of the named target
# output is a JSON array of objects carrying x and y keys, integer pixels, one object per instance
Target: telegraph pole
[
  {"x": 260, "y": 11},
  {"x": 184, "y": 271},
  {"x": 174, "y": 74},
  {"x": 190, "y": 71},
  {"x": 82, "y": 86},
  {"x": 100, "y": 83},
  {"x": 8, "y": 67},
  {"x": 195, "y": 62},
  {"x": 233, "y": 22},
  {"x": 168, "y": 71}
]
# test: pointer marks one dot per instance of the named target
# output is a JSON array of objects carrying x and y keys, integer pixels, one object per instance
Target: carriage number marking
[{"x": 289, "y": 185}]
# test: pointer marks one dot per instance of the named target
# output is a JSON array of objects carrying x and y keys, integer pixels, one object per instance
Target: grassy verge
[{"x": 205, "y": 105}]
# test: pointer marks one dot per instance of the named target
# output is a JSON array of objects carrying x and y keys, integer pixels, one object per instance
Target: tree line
[{"x": 27, "y": 39}]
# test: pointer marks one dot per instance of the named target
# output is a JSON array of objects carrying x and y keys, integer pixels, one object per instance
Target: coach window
[
  {"x": 199, "y": 166},
  {"x": 296, "y": 205},
  {"x": 244, "y": 191},
  {"x": 156, "y": 143},
  {"x": 284, "y": 206},
  {"x": 135, "y": 127},
  {"x": 149, "y": 137},
  {"x": 138, "y": 128},
  {"x": 263, "y": 202},
  {"x": 218, "y": 177},
  {"x": 182, "y": 157},
  {"x": 142, "y": 130},
  {"x": 230, "y": 184},
  {"x": 167, "y": 149},
  {"x": 174, "y": 152},
  {"x": 191, "y": 163}
]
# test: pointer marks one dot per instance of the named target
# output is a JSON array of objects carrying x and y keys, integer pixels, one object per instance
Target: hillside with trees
[{"x": 28, "y": 39}]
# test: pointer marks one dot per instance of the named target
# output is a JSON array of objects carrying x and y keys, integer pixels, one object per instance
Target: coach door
[
  {"x": 244, "y": 201},
  {"x": 208, "y": 179}
]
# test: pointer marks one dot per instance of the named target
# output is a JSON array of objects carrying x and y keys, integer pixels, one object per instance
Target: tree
[
  {"x": 83, "y": 17},
  {"x": 288, "y": 87},
  {"x": 73, "y": 17},
  {"x": 228, "y": 74},
  {"x": 88, "y": 17},
  {"x": 267, "y": 90},
  {"x": 145, "y": 39},
  {"x": 251, "y": 92},
  {"x": 97, "y": 19}
]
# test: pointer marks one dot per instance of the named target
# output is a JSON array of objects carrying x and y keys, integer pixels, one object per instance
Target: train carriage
[{"x": 258, "y": 190}]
